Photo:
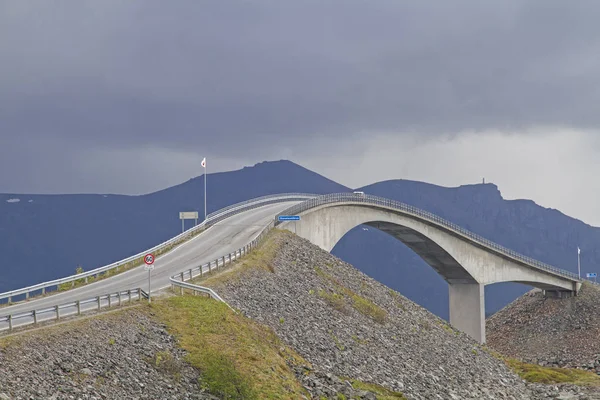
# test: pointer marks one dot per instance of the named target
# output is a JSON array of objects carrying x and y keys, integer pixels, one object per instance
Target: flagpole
[
  {"x": 205, "y": 190},
  {"x": 579, "y": 261}
]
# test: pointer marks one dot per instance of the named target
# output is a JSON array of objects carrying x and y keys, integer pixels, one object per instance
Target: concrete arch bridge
[{"x": 465, "y": 260}]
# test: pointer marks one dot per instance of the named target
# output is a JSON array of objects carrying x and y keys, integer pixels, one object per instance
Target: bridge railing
[
  {"x": 211, "y": 219},
  {"x": 424, "y": 215}
]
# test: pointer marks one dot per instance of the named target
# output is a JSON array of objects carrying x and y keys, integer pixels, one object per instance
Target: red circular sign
[{"x": 149, "y": 259}]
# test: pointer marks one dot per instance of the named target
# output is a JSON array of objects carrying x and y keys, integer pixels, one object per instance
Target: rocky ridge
[
  {"x": 349, "y": 325},
  {"x": 550, "y": 331},
  {"x": 126, "y": 355}
]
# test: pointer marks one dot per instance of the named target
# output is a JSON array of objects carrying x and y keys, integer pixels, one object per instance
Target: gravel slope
[
  {"x": 412, "y": 351},
  {"x": 548, "y": 331},
  {"x": 107, "y": 357}
]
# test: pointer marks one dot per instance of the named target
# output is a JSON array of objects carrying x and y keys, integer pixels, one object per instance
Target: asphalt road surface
[{"x": 220, "y": 239}]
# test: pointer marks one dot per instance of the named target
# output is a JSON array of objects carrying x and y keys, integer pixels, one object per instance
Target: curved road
[{"x": 218, "y": 240}]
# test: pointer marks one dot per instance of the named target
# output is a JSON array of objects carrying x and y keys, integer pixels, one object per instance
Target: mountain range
[{"x": 44, "y": 237}]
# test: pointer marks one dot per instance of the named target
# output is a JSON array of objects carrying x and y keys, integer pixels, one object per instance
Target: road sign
[
  {"x": 289, "y": 218},
  {"x": 149, "y": 259},
  {"x": 188, "y": 215},
  {"x": 591, "y": 275}
]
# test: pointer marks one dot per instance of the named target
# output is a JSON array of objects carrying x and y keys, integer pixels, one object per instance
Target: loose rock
[{"x": 331, "y": 313}]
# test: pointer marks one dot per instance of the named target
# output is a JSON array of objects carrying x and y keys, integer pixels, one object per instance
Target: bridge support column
[{"x": 467, "y": 309}]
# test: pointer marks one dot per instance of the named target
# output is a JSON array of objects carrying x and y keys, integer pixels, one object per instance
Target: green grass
[
  {"x": 335, "y": 300},
  {"x": 549, "y": 375},
  {"x": 552, "y": 375},
  {"x": 359, "y": 303},
  {"x": 338, "y": 344},
  {"x": 238, "y": 358},
  {"x": 358, "y": 340},
  {"x": 165, "y": 362},
  {"x": 368, "y": 308},
  {"x": 380, "y": 392}
]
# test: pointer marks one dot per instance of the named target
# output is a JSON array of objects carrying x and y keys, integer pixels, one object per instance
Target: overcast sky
[{"x": 128, "y": 96}]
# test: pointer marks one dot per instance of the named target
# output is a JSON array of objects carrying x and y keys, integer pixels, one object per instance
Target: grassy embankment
[{"x": 240, "y": 358}]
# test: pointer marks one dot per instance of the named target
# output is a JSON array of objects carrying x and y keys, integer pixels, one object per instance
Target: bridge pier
[{"x": 467, "y": 309}]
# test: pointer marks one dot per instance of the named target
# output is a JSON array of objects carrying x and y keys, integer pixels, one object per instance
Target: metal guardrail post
[
  {"x": 78, "y": 303},
  {"x": 119, "y": 297},
  {"x": 10, "y": 325},
  {"x": 140, "y": 294},
  {"x": 57, "y": 312},
  {"x": 191, "y": 276},
  {"x": 109, "y": 301},
  {"x": 98, "y": 299},
  {"x": 34, "y": 317}
]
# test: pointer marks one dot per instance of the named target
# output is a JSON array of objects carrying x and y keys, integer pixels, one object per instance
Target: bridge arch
[{"x": 466, "y": 263}]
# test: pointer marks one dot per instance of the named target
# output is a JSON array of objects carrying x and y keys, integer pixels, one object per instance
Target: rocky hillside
[
  {"x": 350, "y": 326},
  {"x": 125, "y": 355},
  {"x": 318, "y": 329},
  {"x": 560, "y": 332}
]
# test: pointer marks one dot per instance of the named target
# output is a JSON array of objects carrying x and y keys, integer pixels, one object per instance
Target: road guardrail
[
  {"x": 211, "y": 219},
  {"x": 58, "y": 311},
  {"x": 216, "y": 264}
]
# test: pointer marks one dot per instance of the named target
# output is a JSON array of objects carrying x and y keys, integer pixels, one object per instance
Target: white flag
[{"x": 204, "y": 162}]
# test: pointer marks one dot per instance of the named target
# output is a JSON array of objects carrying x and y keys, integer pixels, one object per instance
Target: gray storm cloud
[{"x": 85, "y": 82}]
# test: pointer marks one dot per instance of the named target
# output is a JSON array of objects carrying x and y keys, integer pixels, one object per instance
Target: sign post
[
  {"x": 149, "y": 261},
  {"x": 187, "y": 215},
  {"x": 592, "y": 275},
  {"x": 289, "y": 218}
]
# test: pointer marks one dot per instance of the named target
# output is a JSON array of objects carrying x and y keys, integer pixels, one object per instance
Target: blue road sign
[
  {"x": 289, "y": 218},
  {"x": 591, "y": 275}
]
